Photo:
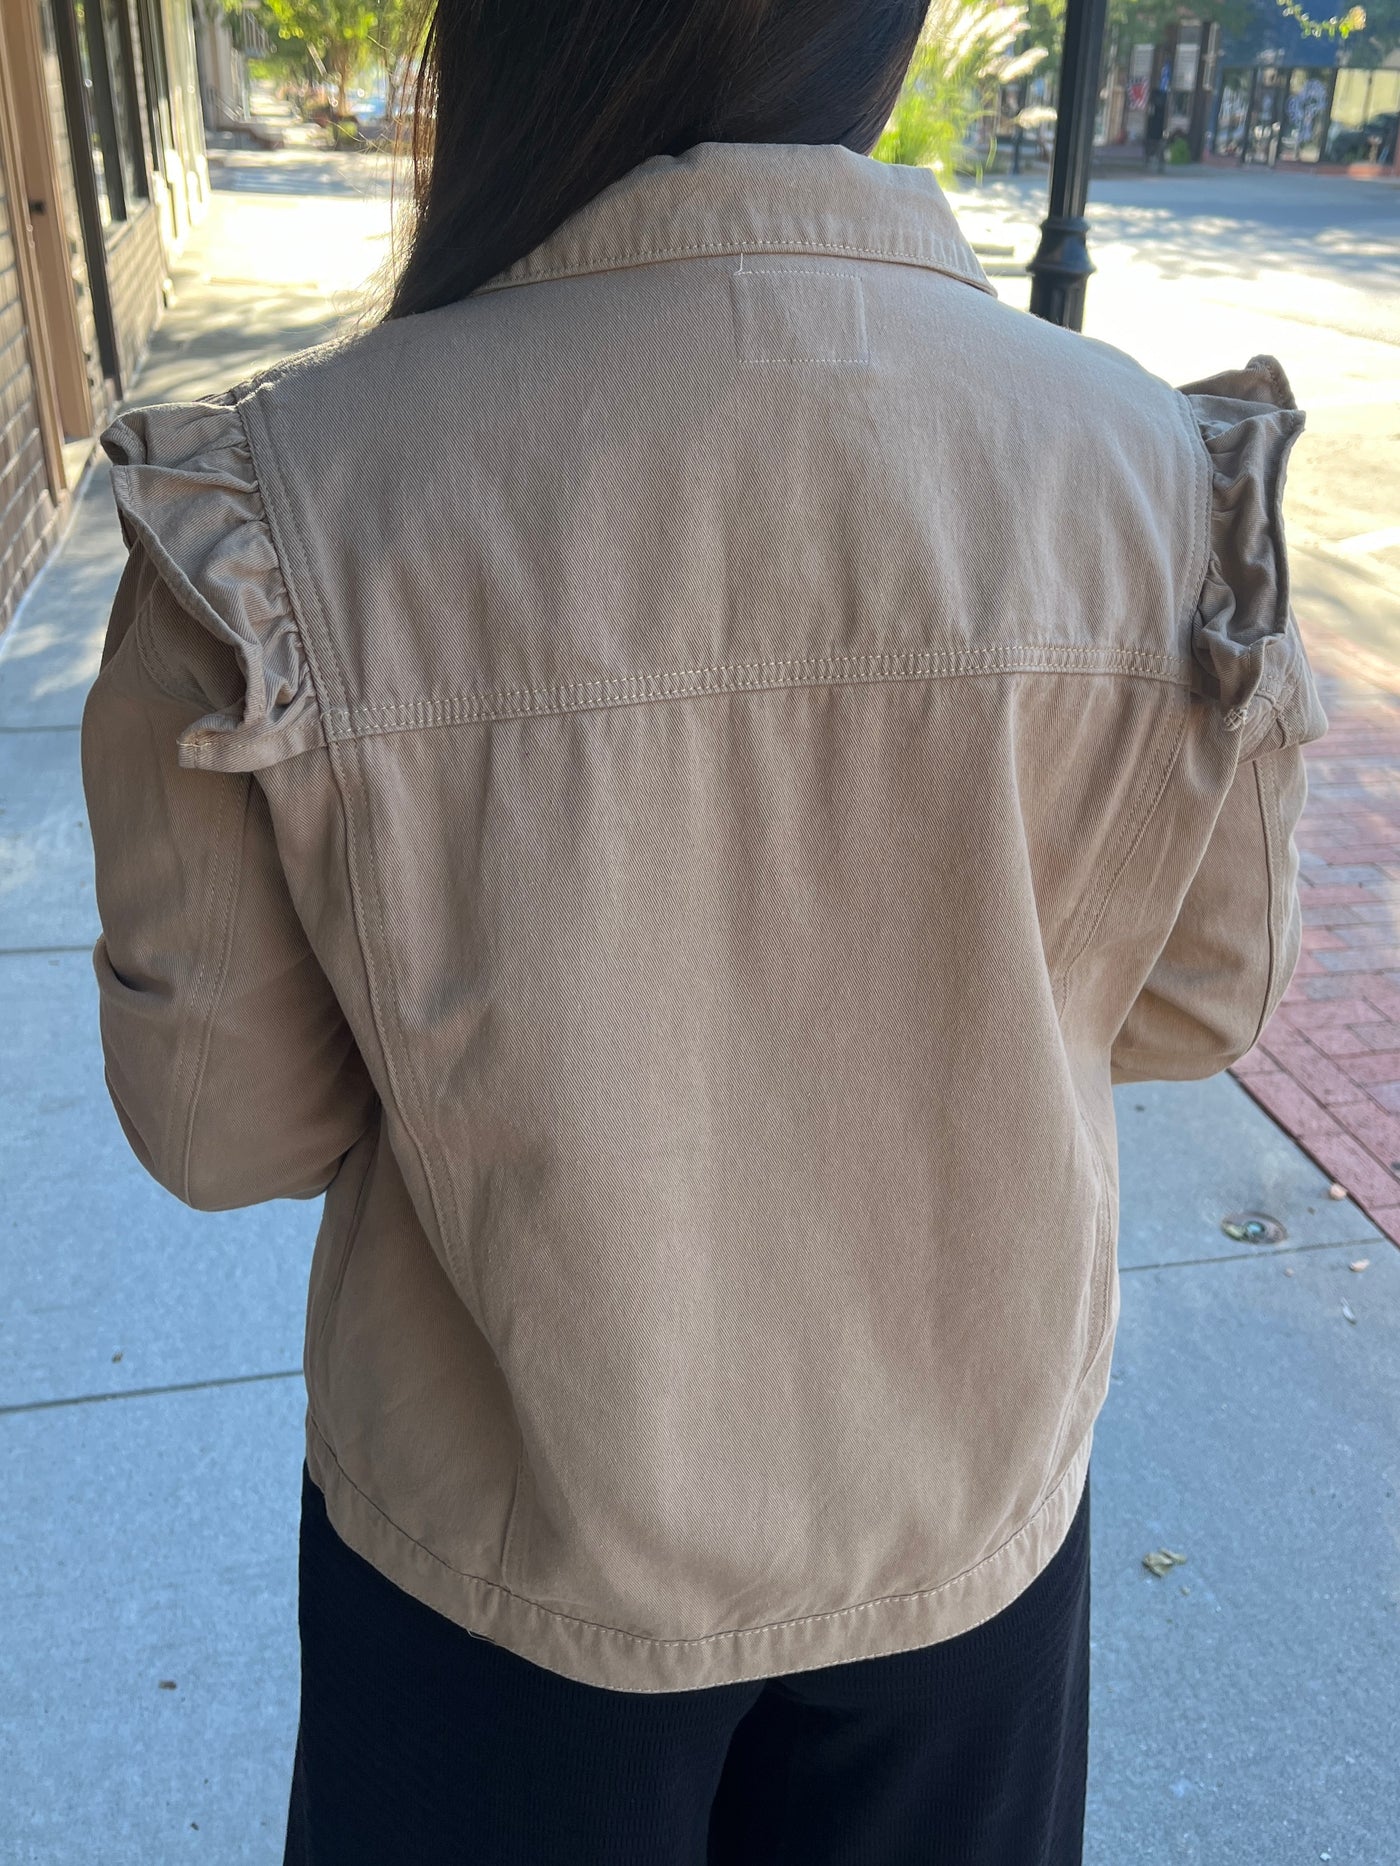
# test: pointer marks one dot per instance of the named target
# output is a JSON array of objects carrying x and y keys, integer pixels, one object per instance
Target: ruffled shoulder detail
[
  {"x": 186, "y": 486},
  {"x": 1245, "y": 636}
]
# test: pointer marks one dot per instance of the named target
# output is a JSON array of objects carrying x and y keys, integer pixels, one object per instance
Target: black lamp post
[{"x": 1061, "y": 267}]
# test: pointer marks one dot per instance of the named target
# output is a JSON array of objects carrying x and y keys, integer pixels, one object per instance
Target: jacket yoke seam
[
  {"x": 762, "y": 362},
  {"x": 477, "y": 704}
]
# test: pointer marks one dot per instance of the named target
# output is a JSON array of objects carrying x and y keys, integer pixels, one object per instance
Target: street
[
  {"x": 1199, "y": 271},
  {"x": 151, "y": 1402}
]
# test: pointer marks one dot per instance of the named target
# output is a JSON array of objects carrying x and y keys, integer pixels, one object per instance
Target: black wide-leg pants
[{"x": 421, "y": 1745}]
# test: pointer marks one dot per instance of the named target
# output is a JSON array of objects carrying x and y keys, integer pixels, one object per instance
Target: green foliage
[
  {"x": 1145, "y": 22},
  {"x": 1340, "y": 26},
  {"x": 338, "y": 37},
  {"x": 1373, "y": 30},
  {"x": 965, "y": 49},
  {"x": 1045, "y": 26},
  {"x": 1370, "y": 43}
]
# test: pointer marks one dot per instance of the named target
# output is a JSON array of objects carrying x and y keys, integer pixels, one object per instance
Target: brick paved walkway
[{"x": 1328, "y": 1065}]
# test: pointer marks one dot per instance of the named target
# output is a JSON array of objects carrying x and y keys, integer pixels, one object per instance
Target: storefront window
[
  {"x": 1345, "y": 139},
  {"x": 116, "y": 32},
  {"x": 1182, "y": 76},
  {"x": 1305, "y": 113},
  {"x": 153, "y": 70},
  {"x": 1364, "y": 116},
  {"x": 95, "y": 95},
  {"x": 118, "y": 160},
  {"x": 1266, "y": 119},
  {"x": 1383, "y": 114},
  {"x": 1235, "y": 87},
  {"x": 1139, "y": 84}
]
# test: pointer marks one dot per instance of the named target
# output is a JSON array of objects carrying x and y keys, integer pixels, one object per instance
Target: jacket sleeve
[
  {"x": 1232, "y": 950},
  {"x": 227, "y": 1057}
]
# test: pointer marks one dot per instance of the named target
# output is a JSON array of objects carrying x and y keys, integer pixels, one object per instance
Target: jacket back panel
[{"x": 743, "y": 688}]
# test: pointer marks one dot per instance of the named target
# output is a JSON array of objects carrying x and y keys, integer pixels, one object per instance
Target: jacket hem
[
  {"x": 615, "y": 1659},
  {"x": 479, "y": 705}
]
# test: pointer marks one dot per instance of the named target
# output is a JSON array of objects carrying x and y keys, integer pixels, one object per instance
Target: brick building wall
[
  {"x": 27, "y": 511},
  {"x": 124, "y": 177}
]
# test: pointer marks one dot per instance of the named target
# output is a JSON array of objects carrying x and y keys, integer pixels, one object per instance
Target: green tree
[
  {"x": 1145, "y": 22},
  {"x": 965, "y": 49},
  {"x": 342, "y": 36},
  {"x": 403, "y": 28},
  {"x": 1375, "y": 39},
  {"x": 1131, "y": 22}
]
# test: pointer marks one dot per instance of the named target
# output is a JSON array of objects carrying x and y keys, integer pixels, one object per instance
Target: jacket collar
[{"x": 757, "y": 197}]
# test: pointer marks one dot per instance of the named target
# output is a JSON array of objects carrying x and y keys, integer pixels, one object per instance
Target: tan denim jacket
[{"x": 670, "y": 790}]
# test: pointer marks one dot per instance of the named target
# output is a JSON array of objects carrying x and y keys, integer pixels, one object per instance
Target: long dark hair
[{"x": 523, "y": 110}]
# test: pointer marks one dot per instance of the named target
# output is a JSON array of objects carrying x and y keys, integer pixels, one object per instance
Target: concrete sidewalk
[{"x": 1245, "y": 1706}]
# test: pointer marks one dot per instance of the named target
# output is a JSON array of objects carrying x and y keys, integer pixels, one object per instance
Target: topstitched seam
[{"x": 702, "y": 1639}]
